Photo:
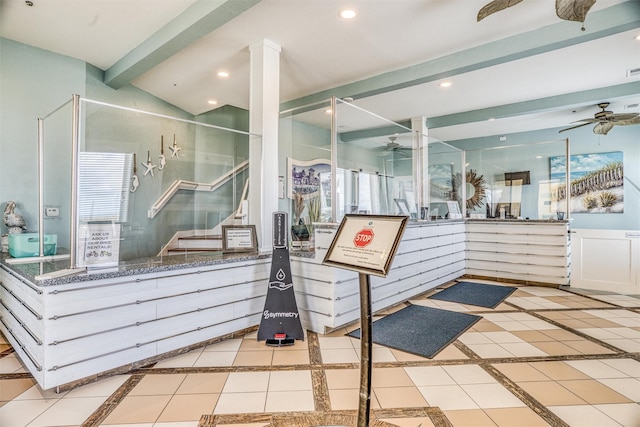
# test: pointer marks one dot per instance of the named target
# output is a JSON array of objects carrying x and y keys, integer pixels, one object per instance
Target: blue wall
[{"x": 582, "y": 141}]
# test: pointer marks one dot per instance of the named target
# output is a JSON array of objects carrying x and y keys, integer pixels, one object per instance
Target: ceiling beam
[
  {"x": 613, "y": 20},
  {"x": 198, "y": 20},
  {"x": 586, "y": 97}
]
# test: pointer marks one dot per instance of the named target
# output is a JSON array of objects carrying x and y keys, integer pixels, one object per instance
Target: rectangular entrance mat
[
  {"x": 477, "y": 294},
  {"x": 419, "y": 330}
]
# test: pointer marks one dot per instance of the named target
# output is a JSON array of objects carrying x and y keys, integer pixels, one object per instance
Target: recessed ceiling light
[
  {"x": 637, "y": 37},
  {"x": 491, "y": 119},
  {"x": 348, "y": 14},
  {"x": 538, "y": 157},
  {"x": 445, "y": 84},
  {"x": 223, "y": 74},
  {"x": 328, "y": 111},
  {"x": 212, "y": 102}
]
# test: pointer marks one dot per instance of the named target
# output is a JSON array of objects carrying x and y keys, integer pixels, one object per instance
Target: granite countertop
[{"x": 41, "y": 273}]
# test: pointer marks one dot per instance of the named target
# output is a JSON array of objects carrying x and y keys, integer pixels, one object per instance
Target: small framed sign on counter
[
  {"x": 366, "y": 243},
  {"x": 239, "y": 238}
]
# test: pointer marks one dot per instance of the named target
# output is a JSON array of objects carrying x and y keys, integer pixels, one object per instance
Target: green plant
[
  {"x": 590, "y": 201},
  {"x": 607, "y": 199}
]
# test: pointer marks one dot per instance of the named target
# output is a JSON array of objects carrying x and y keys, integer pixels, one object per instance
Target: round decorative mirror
[{"x": 475, "y": 187}]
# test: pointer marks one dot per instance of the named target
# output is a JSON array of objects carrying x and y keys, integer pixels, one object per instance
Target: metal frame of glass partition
[{"x": 78, "y": 135}]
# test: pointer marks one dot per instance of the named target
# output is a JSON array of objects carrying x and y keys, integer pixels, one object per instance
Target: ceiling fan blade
[
  {"x": 603, "y": 128},
  {"x": 621, "y": 119},
  {"x": 495, "y": 6},
  {"x": 573, "y": 10},
  {"x": 575, "y": 127}
]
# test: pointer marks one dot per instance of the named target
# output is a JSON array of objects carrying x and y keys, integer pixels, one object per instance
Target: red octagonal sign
[{"x": 363, "y": 237}]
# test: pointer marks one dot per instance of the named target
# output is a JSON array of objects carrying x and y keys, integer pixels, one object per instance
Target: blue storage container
[{"x": 27, "y": 244}]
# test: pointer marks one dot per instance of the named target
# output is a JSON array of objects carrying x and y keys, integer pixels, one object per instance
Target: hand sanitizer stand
[
  {"x": 280, "y": 322},
  {"x": 366, "y": 244}
]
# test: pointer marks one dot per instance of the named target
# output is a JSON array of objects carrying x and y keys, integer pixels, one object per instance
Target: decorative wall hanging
[
  {"x": 163, "y": 161},
  {"x": 597, "y": 181},
  {"x": 175, "y": 149},
  {"x": 135, "y": 183},
  {"x": 475, "y": 188},
  {"x": 149, "y": 166}
]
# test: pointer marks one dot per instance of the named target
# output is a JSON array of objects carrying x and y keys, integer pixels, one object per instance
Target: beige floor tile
[
  {"x": 520, "y": 417},
  {"x": 348, "y": 399},
  {"x": 555, "y": 348},
  {"x": 487, "y": 351},
  {"x": 215, "y": 358},
  {"x": 68, "y": 412},
  {"x": 450, "y": 352},
  {"x": 402, "y": 356},
  {"x": 492, "y": 396},
  {"x": 588, "y": 347},
  {"x": 601, "y": 323},
  {"x": 409, "y": 422},
  {"x": 290, "y": 381},
  {"x": 246, "y": 382},
  {"x": 253, "y": 358},
  {"x": 22, "y": 412},
  {"x": 523, "y": 349},
  {"x": 561, "y": 335},
  {"x": 188, "y": 407},
  {"x": 205, "y": 383},
  {"x": 559, "y": 371},
  {"x": 284, "y": 401},
  {"x": 627, "y": 414},
  {"x": 232, "y": 344},
  {"x": 521, "y": 372},
  {"x": 447, "y": 397},
  {"x": 485, "y": 326},
  {"x": 594, "y": 392},
  {"x": 469, "y": 374},
  {"x": 338, "y": 379},
  {"x": 138, "y": 409},
  {"x": 253, "y": 345},
  {"x": 241, "y": 403},
  {"x": 340, "y": 355},
  {"x": 292, "y": 357},
  {"x": 10, "y": 388},
  {"x": 399, "y": 397},
  {"x": 551, "y": 393},
  {"x": 575, "y": 323},
  {"x": 531, "y": 336},
  {"x": 390, "y": 377},
  {"x": 584, "y": 416},
  {"x": 469, "y": 418},
  {"x": 429, "y": 375},
  {"x": 153, "y": 385}
]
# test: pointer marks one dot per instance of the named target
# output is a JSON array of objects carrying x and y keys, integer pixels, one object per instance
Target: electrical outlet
[{"x": 51, "y": 211}]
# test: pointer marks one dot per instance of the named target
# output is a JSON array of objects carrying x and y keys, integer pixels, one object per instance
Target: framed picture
[
  {"x": 304, "y": 176},
  {"x": 239, "y": 238},
  {"x": 597, "y": 181}
]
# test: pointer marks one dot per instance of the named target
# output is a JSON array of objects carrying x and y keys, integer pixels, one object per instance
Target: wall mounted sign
[
  {"x": 366, "y": 243},
  {"x": 239, "y": 238}
]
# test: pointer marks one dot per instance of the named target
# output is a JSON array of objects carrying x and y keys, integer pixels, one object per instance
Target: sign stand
[
  {"x": 366, "y": 244},
  {"x": 280, "y": 323}
]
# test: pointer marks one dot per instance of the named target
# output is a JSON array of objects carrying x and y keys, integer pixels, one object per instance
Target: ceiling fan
[
  {"x": 569, "y": 10},
  {"x": 606, "y": 120}
]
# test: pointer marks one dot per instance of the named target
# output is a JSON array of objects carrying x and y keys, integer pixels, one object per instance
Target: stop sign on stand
[{"x": 366, "y": 244}]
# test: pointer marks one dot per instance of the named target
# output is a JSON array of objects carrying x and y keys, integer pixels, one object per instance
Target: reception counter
[{"x": 73, "y": 329}]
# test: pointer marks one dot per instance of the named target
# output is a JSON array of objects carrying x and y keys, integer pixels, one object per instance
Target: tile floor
[{"x": 543, "y": 357}]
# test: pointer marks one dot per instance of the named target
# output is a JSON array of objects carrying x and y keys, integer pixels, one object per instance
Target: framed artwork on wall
[{"x": 597, "y": 181}]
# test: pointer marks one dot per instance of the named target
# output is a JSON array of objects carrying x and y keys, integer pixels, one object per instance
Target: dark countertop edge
[{"x": 29, "y": 271}]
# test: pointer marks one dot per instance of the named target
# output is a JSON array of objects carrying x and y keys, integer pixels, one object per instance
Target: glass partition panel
[
  {"x": 148, "y": 185},
  {"x": 512, "y": 182},
  {"x": 444, "y": 171},
  {"x": 56, "y": 179},
  {"x": 375, "y": 157}
]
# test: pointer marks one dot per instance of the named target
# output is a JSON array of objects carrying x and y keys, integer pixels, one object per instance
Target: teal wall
[
  {"x": 34, "y": 82},
  {"x": 582, "y": 141}
]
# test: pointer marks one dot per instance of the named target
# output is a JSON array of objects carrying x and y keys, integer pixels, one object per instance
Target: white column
[
  {"x": 264, "y": 105},
  {"x": 420, "y": 162}
]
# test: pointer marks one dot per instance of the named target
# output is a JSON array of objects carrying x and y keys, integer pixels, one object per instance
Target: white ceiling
[{"x": 388, "y": 40}]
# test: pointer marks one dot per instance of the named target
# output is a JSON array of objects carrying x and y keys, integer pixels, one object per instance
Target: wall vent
[
  {"x": 631, "y": 106},
  {"x": 632, "y": 72}
]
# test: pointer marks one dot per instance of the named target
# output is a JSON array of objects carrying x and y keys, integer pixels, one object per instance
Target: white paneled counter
[
  {"x": 73, "y": 329},
  {"x": 532, "y": 252},
  {"x": 78, "y": 327},
  {"x": 430, "y": 254}
]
